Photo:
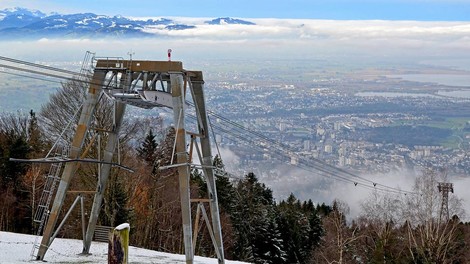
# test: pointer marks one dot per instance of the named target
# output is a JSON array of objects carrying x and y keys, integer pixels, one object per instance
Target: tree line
[{"x": 256, "y": 228}]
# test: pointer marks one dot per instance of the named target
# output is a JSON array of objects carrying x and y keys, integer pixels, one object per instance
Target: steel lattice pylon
[
  {"x": 146, "y": 84},
  {"x": 444, "y": 188}
]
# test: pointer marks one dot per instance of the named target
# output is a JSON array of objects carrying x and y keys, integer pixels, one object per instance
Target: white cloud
[
  {"x": 319, "y": 188},
  {"x": 287, "y": 28},
  {"x": 290, "y": 38},
  {"x": 374, "y": 37},
  {"x": 345, "y": 41},
  {"x": 230, "y": 159},
  {"x": 305, "y": 185}
]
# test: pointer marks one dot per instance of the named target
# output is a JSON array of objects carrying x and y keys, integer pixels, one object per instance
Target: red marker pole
[{"x": 169, "y": 54}]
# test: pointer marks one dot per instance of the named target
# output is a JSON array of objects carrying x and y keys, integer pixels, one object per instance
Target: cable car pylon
[{"x": 163, "y": 84}]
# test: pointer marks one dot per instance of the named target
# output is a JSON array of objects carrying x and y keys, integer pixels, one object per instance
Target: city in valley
[{"x": 365, "y": 119}]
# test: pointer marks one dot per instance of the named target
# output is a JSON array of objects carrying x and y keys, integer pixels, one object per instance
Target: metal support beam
[
  {"x": 197, "y": 86},
  {"x": 83, "y": 124},
  {"x": 211, "y": 233},
  {"x": 196, "y": 225},
  {"x": 82, "y": 209},
  {"x": 66, "y": 217},
  {"x": 177, "y": 89},
  {"x": 113, "y": 138}
]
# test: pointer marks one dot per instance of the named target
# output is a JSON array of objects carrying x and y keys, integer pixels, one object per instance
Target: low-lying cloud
[
  {"x": 275, "y": 38},
  {"x": 285, "y": 179}
]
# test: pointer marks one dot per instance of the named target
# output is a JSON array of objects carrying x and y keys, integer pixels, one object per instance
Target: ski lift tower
[{"x": 145, "y": 84}]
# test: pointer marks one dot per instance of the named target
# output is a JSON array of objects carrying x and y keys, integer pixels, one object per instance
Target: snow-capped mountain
[
  {"x": 21, "y": 23},
  {"x": 228, "y": 21},
  {"x": 21, "y": 12},
  {"x": 18, "y": 17}
]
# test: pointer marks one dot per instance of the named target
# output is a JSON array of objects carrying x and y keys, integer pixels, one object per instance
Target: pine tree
[
  {"x": 35, "y": 140},
  {"x": 14, "y": 209},
  {"x": 316, "y": 226},
  {"x": 225, "y": 188},
  {"x": 148, "y": 150},
  {"x": 198, "y": 180},
  {"x": 258, "y": 238},
  {"x": 14, "y": 146},
  {"x": 300, "y": 227},
  {"x": 164, "y": 151},
  {"x": 116, "y": 211},
  {"x": 323, "y": 209}
]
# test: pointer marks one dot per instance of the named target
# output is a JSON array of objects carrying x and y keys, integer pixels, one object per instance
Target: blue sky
[{"x": 423, "y": 10}]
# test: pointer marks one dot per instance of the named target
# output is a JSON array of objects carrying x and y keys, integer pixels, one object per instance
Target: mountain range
[{"x": 22, "y": 23}]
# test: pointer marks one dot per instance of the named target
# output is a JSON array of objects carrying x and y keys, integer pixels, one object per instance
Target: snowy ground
[{"x": 16, "y": 248}]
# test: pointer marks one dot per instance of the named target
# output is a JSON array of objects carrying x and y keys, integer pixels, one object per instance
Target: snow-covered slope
[
  {"x": 228, "y": 21},
  {"x": 19, "y": 17},
  {"x": 16, "y": 248}
]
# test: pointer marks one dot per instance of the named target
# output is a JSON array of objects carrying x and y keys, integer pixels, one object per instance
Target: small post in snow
[{"x": 118, "y": 246}]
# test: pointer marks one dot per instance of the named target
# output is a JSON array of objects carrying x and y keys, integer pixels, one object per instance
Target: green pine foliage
[
  {"x": 225, "y": 188},
  {"x": 35, "y": 139},
  {"x": 265, "y": 232},
  {"x": 13, "y": 146},
  {"x": 148, "y": 149},
  {"x": 197, "y": 179},
  {"x": 14, "y": 207},
  {"x": 300, "y": 227},
  {"x": 258, "y": 237},
  {"x": 116, "y": 211},
  {"x": 225, "y": 194},
  {"x": 163, "y": 152}
]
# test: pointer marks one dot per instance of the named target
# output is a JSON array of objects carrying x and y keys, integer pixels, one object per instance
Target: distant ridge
[
  {"x": 22, "y": 23},
  {"x": 228, "y": 21},
  {"x": 19, "y": 17}
]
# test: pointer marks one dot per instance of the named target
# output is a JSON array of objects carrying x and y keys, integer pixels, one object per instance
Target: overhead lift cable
[
  {"x": 244, "y": 134},
  {"x": 274, "y": 145},
  {"x": 305, "y": 164}
]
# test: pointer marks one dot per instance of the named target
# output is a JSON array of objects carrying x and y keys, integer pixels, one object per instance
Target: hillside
[{"x": 15, "y": 248}]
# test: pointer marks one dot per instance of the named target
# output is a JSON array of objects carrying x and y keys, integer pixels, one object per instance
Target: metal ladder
[
  {"x": 42, "y": 211},
  {"x": 86, "y": 71},
  {"x": 53, "y": 177}
]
